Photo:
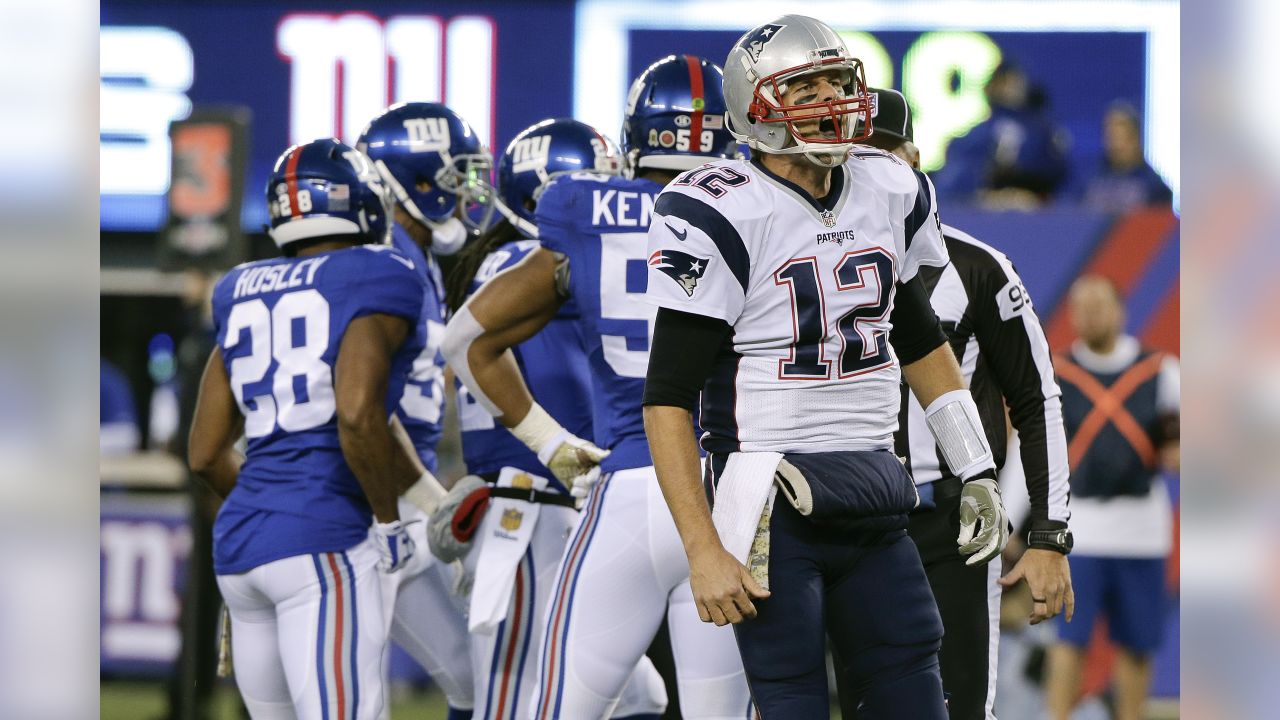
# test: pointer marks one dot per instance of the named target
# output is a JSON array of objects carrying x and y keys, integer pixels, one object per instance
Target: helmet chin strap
[{"x": 529, "y": 229}]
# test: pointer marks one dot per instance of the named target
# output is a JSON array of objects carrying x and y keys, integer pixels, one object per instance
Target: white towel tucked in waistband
[
  {"x": 502, "y": 540},
  {"x": 741, "y": 493}
]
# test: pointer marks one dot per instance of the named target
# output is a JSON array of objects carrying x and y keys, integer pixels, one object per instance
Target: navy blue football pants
[{"x": 867, "y": 591}]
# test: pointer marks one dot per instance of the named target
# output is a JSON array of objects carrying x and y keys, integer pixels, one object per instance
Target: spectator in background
[
  {"x": 1120, "y": 404},
  {"x": 118, "y": 432},
  {"x": 1124, "y": 180},
  {"x": 1015, "y": 158}
]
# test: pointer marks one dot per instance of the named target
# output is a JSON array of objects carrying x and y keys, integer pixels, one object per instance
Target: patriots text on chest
[
  {"x": 621, "y": 208},
  {"x": 278, "y": 277}
]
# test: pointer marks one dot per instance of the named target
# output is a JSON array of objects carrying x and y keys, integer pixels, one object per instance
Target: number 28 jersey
[
  {"x": 280, "y": 323},
  {"x": 807, "y": 287}
]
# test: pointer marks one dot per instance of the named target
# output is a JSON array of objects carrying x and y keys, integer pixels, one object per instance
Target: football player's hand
[
  {"x": 574, "y": 461},
  {"x": 723, "y": 587},
  {"x": 984, "y": 526},
  {"x": 463, "y": 579},
  {"x": 567, "y": 455},
  {"x": 456, "y": 520},
  {"x": 394, "y": 545},
  {"x": 582, "y": 484},
  {"x": 1049, "y": 578}
]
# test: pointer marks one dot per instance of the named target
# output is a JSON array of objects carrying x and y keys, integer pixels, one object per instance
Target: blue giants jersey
[
  {"x": 280, "y": 324},
  {"x": 601, "y": 222},
  {"x": 554, "y": 367},
  {"x": 421, "y": 406}
]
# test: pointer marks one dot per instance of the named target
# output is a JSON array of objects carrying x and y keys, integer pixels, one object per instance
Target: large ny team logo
[
  {"x": 866, "y": 277},
  {"x": 427, "y": 134},
  {"x": 531, "y": 153}
]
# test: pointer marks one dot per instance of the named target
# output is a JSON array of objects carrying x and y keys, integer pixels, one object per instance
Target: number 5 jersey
[
  {"x": 807, "y": 286},
  {"x": 280, "y": 324}
]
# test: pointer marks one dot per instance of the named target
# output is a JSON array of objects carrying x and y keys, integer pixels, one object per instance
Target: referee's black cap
[{"x": 891, "y": 116}]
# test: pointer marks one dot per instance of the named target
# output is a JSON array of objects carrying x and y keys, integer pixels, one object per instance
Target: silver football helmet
[{"x": 757, "y": 72}]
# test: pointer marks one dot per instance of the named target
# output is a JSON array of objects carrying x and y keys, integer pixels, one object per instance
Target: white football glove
[
  {"x": 582, "y": 484},
  {"x": 394, "y": 545},
  {"x": 980, "y": 503},
  {"x": 570, "y": 458}
]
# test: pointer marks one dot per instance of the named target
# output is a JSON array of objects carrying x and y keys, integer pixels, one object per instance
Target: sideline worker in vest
[{"x": 1120, "y": 405}]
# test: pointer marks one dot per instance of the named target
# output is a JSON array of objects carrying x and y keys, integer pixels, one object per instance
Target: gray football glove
[
  {"x": 454, "y": 523},
  {"x": 980, "y": 504}
]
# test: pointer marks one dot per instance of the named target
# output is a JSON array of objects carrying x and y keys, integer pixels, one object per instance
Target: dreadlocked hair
[{"x": 467, "y": 262}]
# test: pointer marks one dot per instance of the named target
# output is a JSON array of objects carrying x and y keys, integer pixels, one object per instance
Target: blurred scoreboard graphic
[
  {"x": 503, "y": 66},
  {"x": 145, "y": 543}
]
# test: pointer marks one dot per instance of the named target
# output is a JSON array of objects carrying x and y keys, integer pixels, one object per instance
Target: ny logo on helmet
[
  {"x": 427, "y": 134},
  {"x": 531, "y": 153},
  {"x": 755, "y": 42},
  {"x": 684, "y": 268}
]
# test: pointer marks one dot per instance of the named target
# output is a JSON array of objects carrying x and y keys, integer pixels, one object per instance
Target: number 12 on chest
[{"x": 867, "y": 276}]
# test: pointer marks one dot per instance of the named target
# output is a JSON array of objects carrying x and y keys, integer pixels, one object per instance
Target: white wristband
[
  {"x": 540, "y": 432},
  {"x": 953, "y": 420},
  {"x": 426, "y": 493}
]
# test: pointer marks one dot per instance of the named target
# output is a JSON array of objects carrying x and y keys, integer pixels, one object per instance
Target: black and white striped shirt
[{"x": 1003, "y": 353}]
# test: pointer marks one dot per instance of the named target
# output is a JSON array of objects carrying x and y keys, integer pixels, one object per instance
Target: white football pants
[
  {"x": 308, "y": 635},
  {"x": 623, "y": 567},
  {"x": 506, "y": 661},
  {"x": 427, "y": 619}
]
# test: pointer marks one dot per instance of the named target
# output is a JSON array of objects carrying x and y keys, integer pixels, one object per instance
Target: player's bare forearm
[
  {"x": 426, "y": 493},
  {"x": 408, "y": 464},
  {"x": 214, "y": 428},
  {"x": 511, "y": 307},
  {"x": 675, "y": 459},
  {"x": 361, "y": 375},
  {"x": 934, "y": 375}
]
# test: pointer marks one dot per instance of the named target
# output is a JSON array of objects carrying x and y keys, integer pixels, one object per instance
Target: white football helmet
[{"x": 756, "y": 74}]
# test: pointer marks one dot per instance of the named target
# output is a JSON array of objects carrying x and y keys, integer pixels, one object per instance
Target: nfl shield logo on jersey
[
  {"x": 511, "y": 519},
  {"x": 684, "y": 268},
  {"x": 828, "y": 218}
]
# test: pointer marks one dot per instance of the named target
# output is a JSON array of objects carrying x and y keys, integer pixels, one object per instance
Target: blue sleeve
[
  {"x": 554, "y": 216},
  {"x": 388, "y": 283}
]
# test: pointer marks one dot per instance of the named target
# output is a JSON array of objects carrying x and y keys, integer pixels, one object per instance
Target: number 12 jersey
[{"x": 807, "y": 285}]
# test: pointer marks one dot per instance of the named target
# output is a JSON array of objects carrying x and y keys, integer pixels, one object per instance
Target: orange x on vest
[{"x": 1108, "y": 405}]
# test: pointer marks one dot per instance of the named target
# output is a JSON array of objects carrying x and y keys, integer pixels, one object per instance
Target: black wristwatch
[{"x": 1059, "y": 540}]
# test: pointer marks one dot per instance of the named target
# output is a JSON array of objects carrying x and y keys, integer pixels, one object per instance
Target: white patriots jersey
[{"x": 807, "y": 287}]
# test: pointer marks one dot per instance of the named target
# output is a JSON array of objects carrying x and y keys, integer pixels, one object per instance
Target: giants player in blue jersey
[
  {"x": 623, "y": 567},
  {"x": 313, "y": 349},
  {"x": 529, "y": 513},
  {"x": 425, "y": 153}
]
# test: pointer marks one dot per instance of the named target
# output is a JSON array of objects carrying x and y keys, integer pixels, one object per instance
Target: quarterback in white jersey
[
  {"x": 805, "y": 265},
  {"x": 775, "y": 281}
]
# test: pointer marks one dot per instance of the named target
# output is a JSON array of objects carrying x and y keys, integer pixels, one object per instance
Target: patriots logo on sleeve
[
  {"x": 754, "y": 43},
  {"x": 682, "y": 267}
]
